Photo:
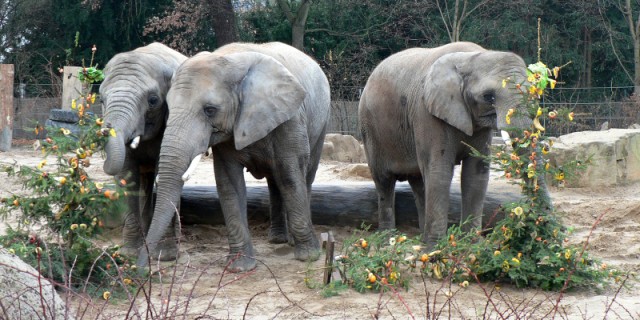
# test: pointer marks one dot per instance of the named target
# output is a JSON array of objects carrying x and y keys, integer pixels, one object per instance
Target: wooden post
[
  {"x": 329, "y": 243},
  {"x": 6, "y": 106},
  {"x": 71, "y": 86}
]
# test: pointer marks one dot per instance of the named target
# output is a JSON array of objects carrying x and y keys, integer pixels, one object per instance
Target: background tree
[
  {"x": 296, "y": 13},
  {"x": 618, "y": 15},
  {"x": 454, "y": 14},
  {"x": 224, "y": 22},
  {"x": 48, "y": 28},
  {"x": 347, "y": 37},
  {"x": 193, "y": 26}
]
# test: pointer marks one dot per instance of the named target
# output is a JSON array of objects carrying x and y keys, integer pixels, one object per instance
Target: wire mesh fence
[
  {"x": 594, "y": 108},
  {"x": 32, "y": 106}
]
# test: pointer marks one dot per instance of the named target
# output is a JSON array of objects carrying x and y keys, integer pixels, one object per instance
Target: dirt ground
[{"x": 277, "y": 289}]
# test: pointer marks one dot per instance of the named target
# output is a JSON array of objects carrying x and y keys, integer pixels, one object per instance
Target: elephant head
[
  {"x": 487, "y": 81},
  {"x": 217, "y": 99},
  {"x": 465, "y": 89},
  {"x": 133, "y": 95}
]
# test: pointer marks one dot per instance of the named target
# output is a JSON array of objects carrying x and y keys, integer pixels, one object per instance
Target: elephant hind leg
[
  {"x": 385, "y": 185},
  {"x": 278, "y": 232},
  {"x": 417, "y": 186}
]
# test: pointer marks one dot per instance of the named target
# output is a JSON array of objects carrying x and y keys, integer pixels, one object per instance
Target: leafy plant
[
  {"x": 376, "y": 261},
  {"x": 67, "y": 204}
]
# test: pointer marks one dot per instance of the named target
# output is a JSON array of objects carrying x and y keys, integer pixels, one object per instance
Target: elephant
[
  {"x": 420, "y": 112},
  {"x": 263, "y": 107},
  {"x": 133, "y": 95}
]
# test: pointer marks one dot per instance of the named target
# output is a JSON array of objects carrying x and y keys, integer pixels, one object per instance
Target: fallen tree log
[{"x": 344, "y": 205}]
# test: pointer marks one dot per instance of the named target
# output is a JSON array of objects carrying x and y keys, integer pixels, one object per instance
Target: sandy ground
[{"x": 276, "y": 289}]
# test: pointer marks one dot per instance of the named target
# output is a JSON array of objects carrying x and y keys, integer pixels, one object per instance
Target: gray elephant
[
  {"x": 133, "y": 94},
  {"x": 420, "y": 111},
  {"x": 260, "y": 107}
]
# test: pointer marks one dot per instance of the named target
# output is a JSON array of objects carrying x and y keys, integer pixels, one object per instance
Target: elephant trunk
[
  {"x": 115, "y": 151},
  {"x": 174, "y": 160},
  {"x": 123, "y": 117}
]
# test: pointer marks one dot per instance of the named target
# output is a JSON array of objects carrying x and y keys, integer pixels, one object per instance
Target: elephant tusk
[
  {"x": 208, "y": 152},
  {"x": 191, "y": 168},
  {"x": 505, "y": 137},
  {"x": 135, "y": 142}
]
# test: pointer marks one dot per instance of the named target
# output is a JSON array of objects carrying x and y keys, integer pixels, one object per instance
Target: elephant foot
[
  {"x": 166, "y": 250},
  {"x": 129, "y": 251},
  {"x": 307, "y": 252},
  {"x": 278, "y": 236},
  {"x": 429, "y": 244},
  {"x": 240, "y": 263},
  {"x": 386, "y": 225}
]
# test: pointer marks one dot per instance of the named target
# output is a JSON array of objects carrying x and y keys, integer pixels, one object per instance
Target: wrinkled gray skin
[
  {"x": 260, "y": 107},
  {"x": 134, "y": 100},
  {"x": 418, "y": 110}
]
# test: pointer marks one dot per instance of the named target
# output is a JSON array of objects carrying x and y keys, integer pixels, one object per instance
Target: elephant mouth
[
  {"x": 489, "y": 116},
  {"x": 488, "y": 119}
]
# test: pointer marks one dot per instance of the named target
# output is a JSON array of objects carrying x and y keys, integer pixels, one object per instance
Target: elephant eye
[
  {"x": 210, "y": 110},
  {"x": 489, "y": 97},
  {"x": 154, "y": 101}
]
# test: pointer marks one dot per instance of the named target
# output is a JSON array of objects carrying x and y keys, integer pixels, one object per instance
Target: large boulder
[
  {"x": 26, "y": 295},
  {"x": 614, "y": 156},
  {"x": 343, "y": 148}
]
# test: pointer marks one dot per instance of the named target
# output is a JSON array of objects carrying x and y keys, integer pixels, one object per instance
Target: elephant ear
[
  {"x": 443, "y": 94},
  {"x": 269, "y": 96}
]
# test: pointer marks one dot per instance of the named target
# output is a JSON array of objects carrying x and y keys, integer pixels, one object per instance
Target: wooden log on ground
[{"x": 344, "y": 205}]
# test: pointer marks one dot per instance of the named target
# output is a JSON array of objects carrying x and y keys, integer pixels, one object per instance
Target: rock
[
  {"x": 23, "y": 295},
  {"x": 343, "y": 148},
  {"x": 359, "y": 170},
  {"x": 604, "y": 126},
  {"x": 634, "y": 126},
  {"x": 614, "y": 156}
]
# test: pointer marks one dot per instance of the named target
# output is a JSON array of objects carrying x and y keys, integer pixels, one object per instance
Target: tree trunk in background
[
  {"x": 297, "y": 21},
  {"x": 453, "y": 21},
  {"x": 585, "y": 77},
  {"x": 224, "y": 22}
]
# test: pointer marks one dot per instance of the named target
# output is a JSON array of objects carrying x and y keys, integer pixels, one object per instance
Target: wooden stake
[{"x": 329, "y": 245}]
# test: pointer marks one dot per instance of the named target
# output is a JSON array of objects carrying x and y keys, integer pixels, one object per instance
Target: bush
[{"x": 67, "y": 205}]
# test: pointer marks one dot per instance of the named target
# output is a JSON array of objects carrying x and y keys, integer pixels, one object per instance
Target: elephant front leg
[
  {"x": 291, "y": 182},
  {"x": 438, "y": 182},
  {"x": 474, "y": 180},
  {"x": 278, "y": 232},
  {"x": 232, "y": 193}
]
